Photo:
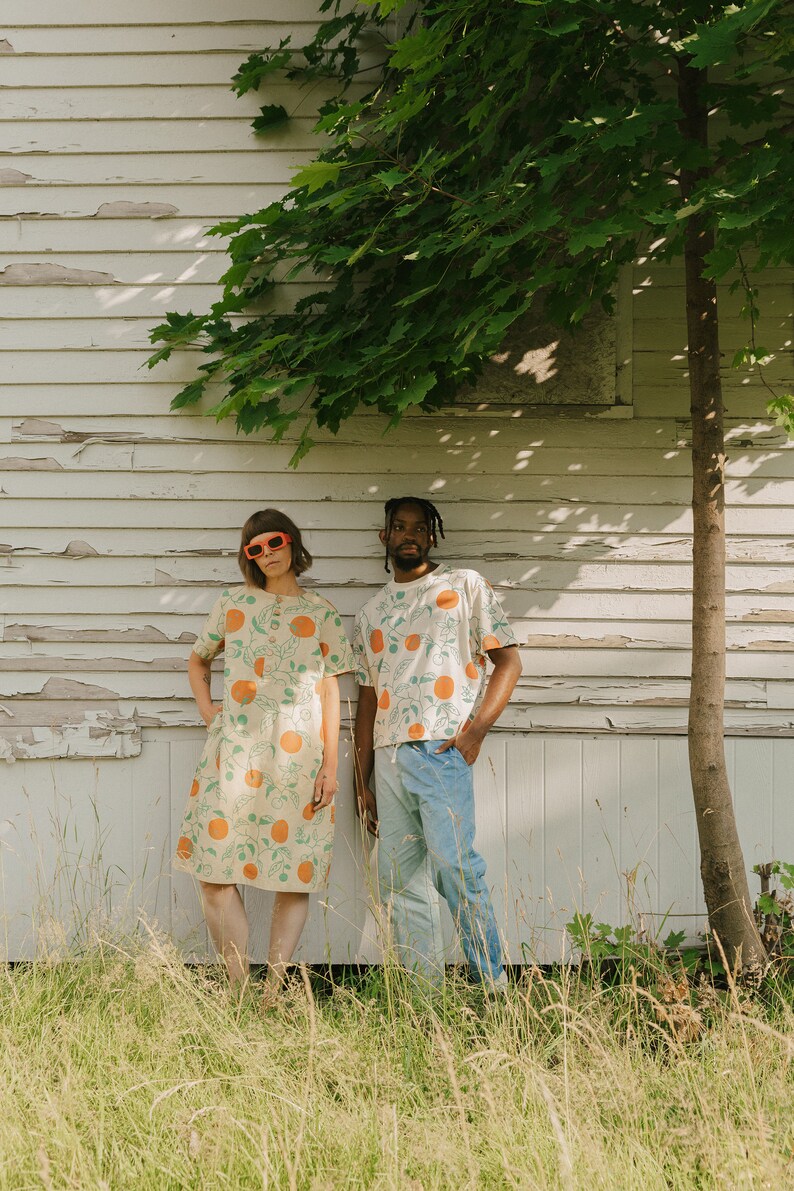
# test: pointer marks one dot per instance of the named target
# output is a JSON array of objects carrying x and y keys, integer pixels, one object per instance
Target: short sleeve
[
  {"x": 363, "y": 676},
  {"x": 488, "y": 625},
  {"x": 210, "y": 640},
  {"x": 334, "y": 646}
]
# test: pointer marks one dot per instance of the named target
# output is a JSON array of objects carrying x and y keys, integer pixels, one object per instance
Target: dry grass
[{"x": 123, "y": 1068}]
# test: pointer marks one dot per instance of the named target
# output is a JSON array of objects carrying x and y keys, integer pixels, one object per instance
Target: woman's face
[{"x": 273, "y": 563}]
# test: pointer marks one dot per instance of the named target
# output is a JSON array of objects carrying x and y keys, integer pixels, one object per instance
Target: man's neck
[{"x": 414, "y": 574}]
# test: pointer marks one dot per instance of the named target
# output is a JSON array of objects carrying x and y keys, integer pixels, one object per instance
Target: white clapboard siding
[
  {"x": 49, "y": 14},
  {"x": 210, "y": 202},
  {"x": 122, "y": 144},
  {"x": 198, "y": 100},
  {"x": 486, "y": 547},
  {"x": 604, "y": 824}
]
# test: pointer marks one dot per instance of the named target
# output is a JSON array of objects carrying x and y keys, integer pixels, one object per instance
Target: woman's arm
[
  {"x": 198, "y": 673},
  {"x": 325, "y": 784}
]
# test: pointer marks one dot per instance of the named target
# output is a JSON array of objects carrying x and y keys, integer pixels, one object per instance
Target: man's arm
[
  {"x": 364, "y": 758},
  {"x": 504, "y": 676}
]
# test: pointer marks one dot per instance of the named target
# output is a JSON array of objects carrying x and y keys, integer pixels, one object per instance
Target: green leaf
[
  {"x": 317, "y": 174},
  {"x": 273, "y": 114},
  {"x": 189, "y": 395},
  {"x": 391, "y": 178}
]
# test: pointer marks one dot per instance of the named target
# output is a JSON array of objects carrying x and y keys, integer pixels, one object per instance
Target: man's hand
[
  {"x": 325, "y": 786},
  {"x": 504, "y": 676},
  {"x": 468, "y": 743},
  {"x": 367, "y": 808}
]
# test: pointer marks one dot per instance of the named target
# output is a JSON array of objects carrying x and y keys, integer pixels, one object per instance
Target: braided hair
[{"x": 435, "y": 523}]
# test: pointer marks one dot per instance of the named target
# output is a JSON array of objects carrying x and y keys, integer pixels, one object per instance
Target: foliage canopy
[{"x": 494, "y": 151}]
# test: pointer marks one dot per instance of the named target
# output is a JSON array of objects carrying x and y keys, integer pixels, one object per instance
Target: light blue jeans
[{"x": 426, "y": 843}]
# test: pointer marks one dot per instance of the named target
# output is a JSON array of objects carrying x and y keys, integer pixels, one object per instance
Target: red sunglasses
[{"x": 271, "y": 541}]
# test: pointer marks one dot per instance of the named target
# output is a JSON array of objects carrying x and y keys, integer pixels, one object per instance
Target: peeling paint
[
  {"x": 46, "y": 665},
  {"x": 96, "y": 734},
  {"x": 771, "y": 615},
  {"x": 127, "y": 210},
  {"x": 67, "y": 688},
  {"x": 10, "y": 177},
  {"x": 6, "y": 46},
  {"x": 145, "y": 636},
  {"x": 42, "y": 464},
  {"x": 38, "y": 428},
  {"x": 33, "y": 273},
  {"x": 34, "y": 428},
  {"x": 566, "y": 641},
  {"x": 77, "y": 548}
]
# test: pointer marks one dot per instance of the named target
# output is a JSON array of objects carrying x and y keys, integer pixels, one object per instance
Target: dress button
[{"x": 271, "y": 638}]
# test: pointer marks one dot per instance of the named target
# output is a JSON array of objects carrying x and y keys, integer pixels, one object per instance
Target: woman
[{"x": 260, "y": 808}]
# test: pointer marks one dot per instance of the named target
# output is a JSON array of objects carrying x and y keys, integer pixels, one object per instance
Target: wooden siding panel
[
  {"x": 593, "y": 569},
  {"x": 90, "y": 843}
]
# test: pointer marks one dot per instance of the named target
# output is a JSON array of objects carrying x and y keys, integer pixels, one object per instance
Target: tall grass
[{"x": 124, "y": 1068}]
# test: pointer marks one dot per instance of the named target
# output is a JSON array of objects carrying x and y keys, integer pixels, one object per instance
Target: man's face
[{"x": 408, "y": 541}]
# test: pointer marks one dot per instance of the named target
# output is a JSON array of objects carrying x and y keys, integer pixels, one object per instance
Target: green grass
[{"x": 122, "y": 1068}]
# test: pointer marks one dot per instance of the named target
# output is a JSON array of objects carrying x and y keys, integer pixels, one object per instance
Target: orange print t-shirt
[{"x": 422, "y": 647}]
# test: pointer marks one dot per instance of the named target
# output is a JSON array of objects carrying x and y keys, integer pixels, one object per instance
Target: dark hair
[
  {"x": 434, "y": 522},
  {"x": 271, "y": 521}
]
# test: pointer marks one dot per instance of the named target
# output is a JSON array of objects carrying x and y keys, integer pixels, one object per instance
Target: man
[{"x": 420, "y": 647}]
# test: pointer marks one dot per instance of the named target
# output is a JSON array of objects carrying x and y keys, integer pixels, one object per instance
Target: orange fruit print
[
  {"x": 235, "y": 619},
  {"x": 254, "y": 778},
  {"x": 184, "y": 848},
  {"x": 291, "y": 742},
  {"x": 218, "y": 828},
  {"x": 250, "y": 871},
  {"x": 305, "y": 871},
  {"x": 309, "y": 811},
  {"x": 416, "y": 731},
  {"x": 194, "y": 789},
  {"x": 376, "y": 641},
  {"x": 471, "y": 670},
  {"x": 491, "y": 642},
  {"x": 259, "y": 667},
  {"x": 384, "y": 701},
  {"x": 444, "y": 687},
  {"x": 413, "y": 642},
  {"x": 243, "y": 692},
  {"x": 325, "y": 648},
  {"x": 448, "y": 599},
  {"x": 279, "y": 831},
  {"x": 302, "y": 626}
]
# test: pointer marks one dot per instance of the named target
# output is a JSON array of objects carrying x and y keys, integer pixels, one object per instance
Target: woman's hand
[
  {"x": 325, "y": 786},
  {"x": 209, "y": 715}
]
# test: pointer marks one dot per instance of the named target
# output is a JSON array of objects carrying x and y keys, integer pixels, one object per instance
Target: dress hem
[{"x": 278, "y": 887}]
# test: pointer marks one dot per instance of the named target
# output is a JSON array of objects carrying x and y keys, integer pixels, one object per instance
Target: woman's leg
[
  {"x": 228, "y": 926},
  {"x": 286, "y": 926}
]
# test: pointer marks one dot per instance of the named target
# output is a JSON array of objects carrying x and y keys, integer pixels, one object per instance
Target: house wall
[{"x": 122, "y": 143}]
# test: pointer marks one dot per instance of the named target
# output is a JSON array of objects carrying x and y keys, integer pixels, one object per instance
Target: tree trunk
[{"x": 722, "y": 865}]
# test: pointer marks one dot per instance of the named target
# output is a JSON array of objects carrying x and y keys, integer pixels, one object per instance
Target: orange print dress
[{"x": 250, "y": 818}]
